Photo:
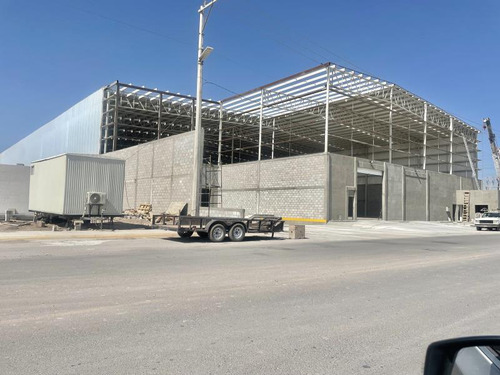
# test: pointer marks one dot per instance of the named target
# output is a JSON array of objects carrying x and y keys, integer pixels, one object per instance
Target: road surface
[{"x": 336, "y": 303}]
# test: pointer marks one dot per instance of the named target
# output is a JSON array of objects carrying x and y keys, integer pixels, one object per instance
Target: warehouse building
[{"x": 325, "y": 144}]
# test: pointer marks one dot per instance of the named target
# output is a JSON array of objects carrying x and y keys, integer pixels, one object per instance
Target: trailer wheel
[
  {"x": 217, "y": 233},
  {"x": 478, "y": 228},
  {"x": 184, "y": 233},
  {"x": 237, "y": 232}
]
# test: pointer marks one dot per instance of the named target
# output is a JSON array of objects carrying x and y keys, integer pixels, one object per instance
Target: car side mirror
[{"x": 464, "y": 356}]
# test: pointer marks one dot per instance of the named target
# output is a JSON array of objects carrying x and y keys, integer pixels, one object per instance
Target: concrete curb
[{"x": 124, "y": 234}]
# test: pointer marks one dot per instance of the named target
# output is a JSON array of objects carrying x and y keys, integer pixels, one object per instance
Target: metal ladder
[
  {"x": 465, "y": 211},
  {"x": 212, "y": 184}
]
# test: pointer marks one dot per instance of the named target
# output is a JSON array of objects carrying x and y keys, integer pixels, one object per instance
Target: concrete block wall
[
  {"x": 158, "y": 172},
  {"x": 292, "y": 187},
  {"x": 14, "y": 188}
]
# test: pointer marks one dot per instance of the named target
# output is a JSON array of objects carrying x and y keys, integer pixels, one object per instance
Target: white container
[{"x": 60, "y": 185}]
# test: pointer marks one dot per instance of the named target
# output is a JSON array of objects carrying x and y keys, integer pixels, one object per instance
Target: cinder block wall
[
  {"x": 316, "y": 187},
  {"x": 14, "y": 188},
  {"x": 291, "y": 187},
  {"x": 158, "y": 172}
]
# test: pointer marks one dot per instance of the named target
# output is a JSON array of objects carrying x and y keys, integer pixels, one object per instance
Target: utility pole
[{"x": 198, "y": 147}]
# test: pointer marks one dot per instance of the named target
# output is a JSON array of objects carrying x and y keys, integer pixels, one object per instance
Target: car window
[{"x": 492, "y": 214}]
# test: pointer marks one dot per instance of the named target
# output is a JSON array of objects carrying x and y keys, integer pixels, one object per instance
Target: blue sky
[{"x": 54, "y": 53}]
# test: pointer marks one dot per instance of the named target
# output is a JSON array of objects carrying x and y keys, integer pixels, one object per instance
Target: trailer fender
[{"x": 240, "y": 222}]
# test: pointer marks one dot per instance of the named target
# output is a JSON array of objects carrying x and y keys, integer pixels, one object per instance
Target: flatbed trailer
[{"x": 216, "y": 228}]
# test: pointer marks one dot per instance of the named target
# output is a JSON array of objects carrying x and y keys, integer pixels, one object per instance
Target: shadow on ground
[{"x": 196, "y": 239}]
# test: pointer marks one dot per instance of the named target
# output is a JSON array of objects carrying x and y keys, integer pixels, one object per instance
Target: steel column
[
  {"x": 390, "y": 127},
  {"x": 425, "y": 137},
  {"x": 219, "y": 147},
  {"x": 106, "y": 123},
  {"x": 451, "y": 145},
  {"x": 272, "y": 140},
  {"x": 193, "y": 112},
  {"x": 327, "y": 108},
  {"x": 260, "y": 122},
  {"x": 159, "y": 116},
  {"x": 115, "y": 119}
]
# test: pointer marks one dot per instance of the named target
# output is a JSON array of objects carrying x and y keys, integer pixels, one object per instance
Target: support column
[
  {"x": 260, "y": 122},
  {"x": 384, "y": 193},
  {"x": 390, "y": 127},
  {"x": 425, "y": 137},
  {"x": 272, "y": 140},
  {"x": 159, "y": 116},
  {"x": 427, "y": 197},
  {"x": 403, "y": 194},
  {"x": 115, "y": 119},
  {"x": 327, "y": 108},
  {"x": 219, "y": 147},
  {"x": 355, "y": 198},
  {"x": 193, "y": 112},
  {"x": 366, "y": 196},
  {"x": 451, "y": 145},
  {"x": 232, "y": 147},
  {"x": 106, "y": 123}
]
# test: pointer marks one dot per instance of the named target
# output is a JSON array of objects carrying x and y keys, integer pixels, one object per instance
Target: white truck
[{"x": 488, "y": 220}]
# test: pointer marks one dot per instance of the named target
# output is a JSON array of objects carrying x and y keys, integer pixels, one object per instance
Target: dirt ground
[{"x": 120, "y": 223}]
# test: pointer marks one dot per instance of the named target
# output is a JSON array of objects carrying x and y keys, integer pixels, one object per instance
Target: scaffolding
[{"x": 329, "y": 109}]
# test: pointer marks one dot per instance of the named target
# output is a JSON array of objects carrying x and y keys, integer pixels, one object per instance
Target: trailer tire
[
  {"x": 184, "y": 233},
  {"x": 478, "y": 228},
  {"x": 217, "y": 233},
  {"x": 237, "y": 232}
]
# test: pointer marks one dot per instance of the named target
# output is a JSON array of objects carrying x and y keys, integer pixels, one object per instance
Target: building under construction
[{"x": 324, "y": 144}]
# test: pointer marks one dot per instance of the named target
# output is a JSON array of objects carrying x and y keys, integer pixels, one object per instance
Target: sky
[{"x": 54, "y": 53}]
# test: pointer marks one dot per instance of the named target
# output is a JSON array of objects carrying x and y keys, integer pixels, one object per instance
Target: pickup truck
[{"x": 488, "y": 220}]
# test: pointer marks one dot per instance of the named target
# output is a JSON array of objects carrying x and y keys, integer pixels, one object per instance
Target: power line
[{"x": 132, "y": 26}]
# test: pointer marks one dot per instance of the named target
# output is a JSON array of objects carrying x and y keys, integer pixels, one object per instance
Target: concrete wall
[
  {"x": 14, "y": 188},
  {"x": 342, "y": 171},
  {"x": 158, "y": 172},
  {"x": 490, "y": 198},
  {"x": 291, "y": 187}
]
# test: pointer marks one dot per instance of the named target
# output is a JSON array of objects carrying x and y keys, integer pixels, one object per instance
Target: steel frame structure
[{"x": 328, "y": 108}]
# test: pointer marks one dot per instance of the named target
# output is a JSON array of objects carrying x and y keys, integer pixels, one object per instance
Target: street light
[
  {"x": 206, "y": 52},
  {"x": 198, "y": 147}
]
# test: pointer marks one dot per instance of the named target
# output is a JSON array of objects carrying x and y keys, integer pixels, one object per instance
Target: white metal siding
[
  {"x": 47, "y": 184},
  {"x": 93, "y": 174},
  {"x": 76, "y": 130}
]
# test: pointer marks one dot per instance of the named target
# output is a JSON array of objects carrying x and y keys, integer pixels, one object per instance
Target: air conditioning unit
[{"x": 94, "y": 197}]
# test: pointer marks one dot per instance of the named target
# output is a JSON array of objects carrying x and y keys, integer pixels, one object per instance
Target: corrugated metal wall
[
  {"x": 75, "y": 131},
  {"x": 90, "y": 174}
]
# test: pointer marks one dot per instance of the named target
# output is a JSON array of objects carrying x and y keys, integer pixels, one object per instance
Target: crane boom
[{"x": 495, "y": 151}]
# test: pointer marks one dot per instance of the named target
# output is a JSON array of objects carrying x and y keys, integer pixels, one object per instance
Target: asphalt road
[{"x": 166, "y": 306}]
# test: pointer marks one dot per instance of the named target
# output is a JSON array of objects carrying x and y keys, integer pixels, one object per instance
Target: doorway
[{"x": 369, "y": 200}]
